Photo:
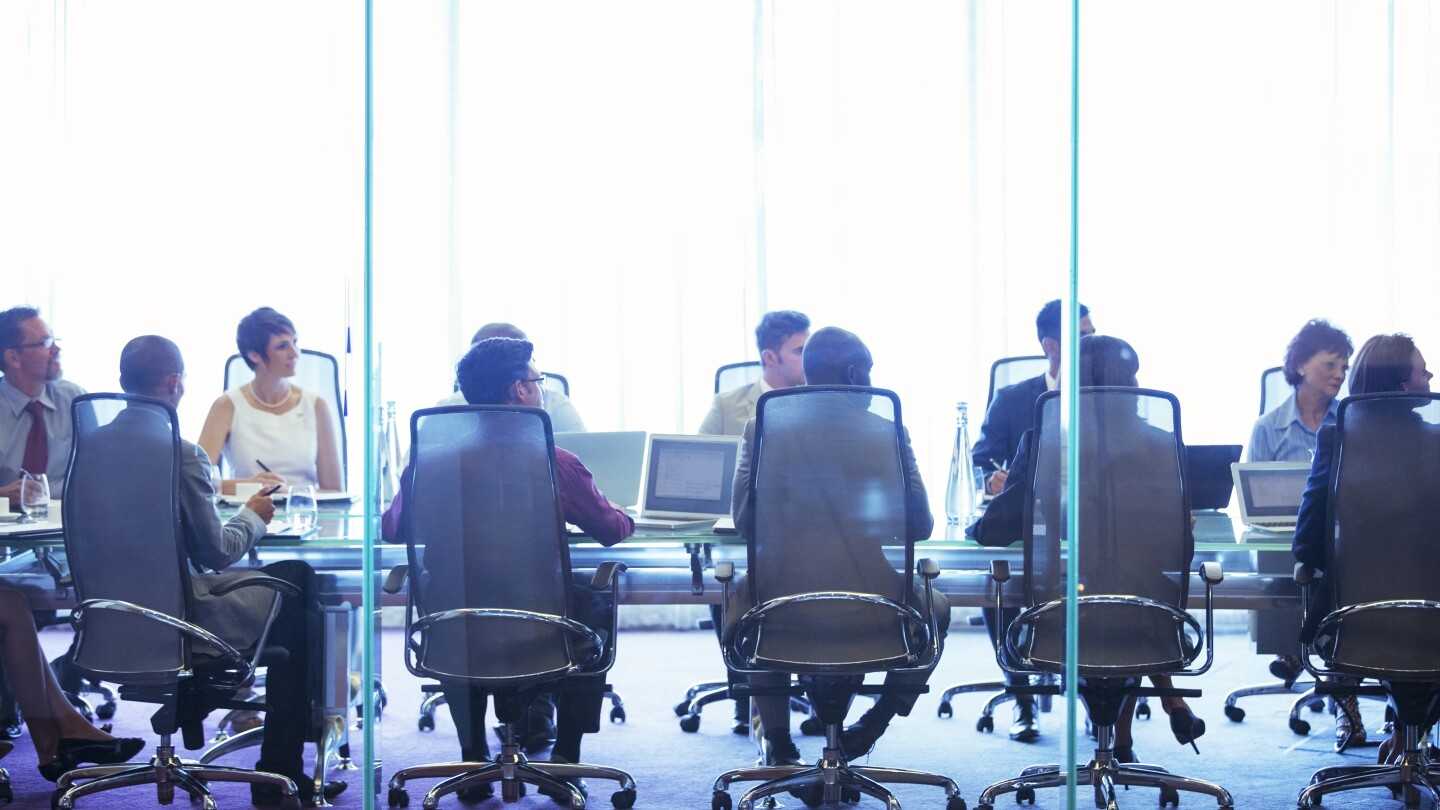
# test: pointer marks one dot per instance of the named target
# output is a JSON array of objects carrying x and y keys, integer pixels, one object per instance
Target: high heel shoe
[
  {"x": 72, "y": 753},
  {"x": 1186, "y": 726}
]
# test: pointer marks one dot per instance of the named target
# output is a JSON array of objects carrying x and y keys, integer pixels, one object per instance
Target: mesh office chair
[
  {"x": 318, "y": 372},
  {"x": 556, "y": 383},
  {"x": 132, "y": 577},
  {"x": 828, "y": 603},
  {"x": 1382, "y": 582},
  {"x": 1273, "y": 388},
  {"x": 489, "y": 599},
  {"x": 734, "y": 375},
  {"x": 1134, "y": 550},
  {"x": 1011, "y": 370}
]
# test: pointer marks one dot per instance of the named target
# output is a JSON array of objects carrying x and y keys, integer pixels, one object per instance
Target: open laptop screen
[
  {"x": 689, "y": 476},
  {"x": 1270, "y": 491}
]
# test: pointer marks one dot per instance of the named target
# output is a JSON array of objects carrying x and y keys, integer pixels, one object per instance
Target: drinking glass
[
  {"x": 34, "y": 495},
  {"x": 300, "y": 507}
]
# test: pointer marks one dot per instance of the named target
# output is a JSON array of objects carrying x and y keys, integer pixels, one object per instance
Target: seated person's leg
[
  {"x": 578, "y": 705},
  {"x": 467, "y": 709},
  {"x": 1026, "y": 725},
  {"x": 859, "y": 738},
  {"x": 292, "y": 686}
]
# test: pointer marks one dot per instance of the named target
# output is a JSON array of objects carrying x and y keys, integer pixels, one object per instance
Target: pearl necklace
[{"x": 255, "y": 394}]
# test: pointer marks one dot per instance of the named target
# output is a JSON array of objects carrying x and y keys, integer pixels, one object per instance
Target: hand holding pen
[
  {"x": 996, "y": 480},
  {"x": 268, "y": 477}
]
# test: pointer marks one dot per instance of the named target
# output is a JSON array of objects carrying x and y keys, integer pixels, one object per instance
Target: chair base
[
  {"x": 1413, "y": 777},
  {"x": 1104, "y": 774},
  {"x": 330, "y": 750},
  {"x": 512, "y": 770},
  {"x": 832, "y": 775},
  {"x": 166, "y": 771}
]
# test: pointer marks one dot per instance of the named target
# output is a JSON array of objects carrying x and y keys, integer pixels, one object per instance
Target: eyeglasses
[
  {"x": 39, "y": 344},
  {"x": 540, "y": 379}
]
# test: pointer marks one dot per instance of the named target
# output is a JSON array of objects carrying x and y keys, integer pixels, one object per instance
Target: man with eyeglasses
[
  {"x": 35, "y": 429},
  {"x": 563, "y": 416}
]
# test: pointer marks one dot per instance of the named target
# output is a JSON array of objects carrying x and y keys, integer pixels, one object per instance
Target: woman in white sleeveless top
[{"x": 270, "y": 430}]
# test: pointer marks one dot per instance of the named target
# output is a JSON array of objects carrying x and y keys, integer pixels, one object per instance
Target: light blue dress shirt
[{"x": 1281, "y": 435}]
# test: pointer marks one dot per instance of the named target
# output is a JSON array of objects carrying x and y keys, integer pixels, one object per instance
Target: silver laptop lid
[
  {"x": 614, "y": 458},
  {"x": 1269, "y": 491},
  {"x": 689, "y": 476}
]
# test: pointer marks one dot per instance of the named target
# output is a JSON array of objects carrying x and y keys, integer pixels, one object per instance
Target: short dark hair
[
  {"x": 11, "y": 335},
  {"x": 829, "y": 352},
  {"x": 487, "y": 371},
  {"x": 1317, "y": 335},
  {"x": 255, "y": 330},
  {"x": 1047, "y": 323},
  {"x": 1107, "y": 360},
  {"x": 776, "y": 327},
  {"x": 146, "y": 361},
  {"x": 498, "y": 329},
  {"x": 1384, "y": 363}
]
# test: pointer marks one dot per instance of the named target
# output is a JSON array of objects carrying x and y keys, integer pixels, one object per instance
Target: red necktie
[{"x": 37, "y": 446}]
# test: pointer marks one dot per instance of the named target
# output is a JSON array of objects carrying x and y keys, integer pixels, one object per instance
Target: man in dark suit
[{"x": 1011, "y": 413}]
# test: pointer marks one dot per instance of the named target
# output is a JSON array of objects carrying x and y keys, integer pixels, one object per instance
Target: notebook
[
  {"x": 687, "y": 481},
  {"x": 1210, "y": 479},
  {"x": 1269, "y": 493},
  {"x": 614, "y": 458}
]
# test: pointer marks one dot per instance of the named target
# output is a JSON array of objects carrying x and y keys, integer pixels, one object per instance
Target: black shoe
[
  {"x": 1123, "y": 754},
  {"x": 1287, "y": 668},
  {"x": 265, "y": 795},
  {"x": 782, "y": 751},
  {"x": 859, "y": 739},
  {"x": 72, "y": 753},
  {"x": 563, "y": 797},
  {"x": 472, "y": 794},
  {"x": 1186, "y": 726},
  {"x": 1026, "y": 728}
]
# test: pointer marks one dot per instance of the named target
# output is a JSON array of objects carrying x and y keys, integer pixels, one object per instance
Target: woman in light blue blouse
[{"x": 1315, "y": 365}]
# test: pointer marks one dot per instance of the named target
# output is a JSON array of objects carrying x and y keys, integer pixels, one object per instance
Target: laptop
[
  {"x": 688, "y": 480},
  {"x": 1210, "y": 479},
  {"x": 615, "y": 459},
  {"x": 1269, "y": 493}
]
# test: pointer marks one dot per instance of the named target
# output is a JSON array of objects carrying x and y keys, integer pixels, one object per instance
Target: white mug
[{"x": 244, "y": 489}]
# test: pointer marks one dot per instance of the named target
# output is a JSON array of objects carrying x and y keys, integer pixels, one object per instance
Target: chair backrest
[
  {"x": 1273, "y": 388},
  {"x": 1135, "y": 534},
  {"x": 734, "y": 375},
  {"x": 829, "y": 487},
  {"x": 318, "y": 372},
  {"x": 122, "y": 532},
  {"x": 1011, "y": 370},
  {"x": 484, "y": 528},
  {"x": 556, "y": 383},
  {"x": 1382, "y": 515}
]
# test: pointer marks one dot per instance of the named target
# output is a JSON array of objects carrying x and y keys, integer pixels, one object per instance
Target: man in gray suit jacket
[
  {"x": 151, "y": 366},
  {"x": 781, "y": 338}
]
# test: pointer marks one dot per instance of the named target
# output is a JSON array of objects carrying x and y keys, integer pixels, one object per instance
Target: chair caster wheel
[
  {"x": 6, "y": 794},
  {"x": 682, "y": 708},
  {"x": 720, "y": 801},
  {"x": 399, "y": 797},
  {"x": 812, "y": 727},
  {"x": 427, "y": 723},
  {"x": 690, "y": 723},
  {"x": 617, "y": 715},
  {"x": 623, "y": 799},
  {"x": 1024, "y": 795},
  {"x": 1142, "y": 711},
  {"x": 954, "y": 803},
  {"x": 1300, "y": 727},
  {"x": 1170, "y": 797},
  {"x": 1317, "y": 706},
  {"x": 945, "y": 712},
  {"x": 105, "y": 710},
  {"x": 1235, "y": 713},
  {"x": 985, "y": 724}
]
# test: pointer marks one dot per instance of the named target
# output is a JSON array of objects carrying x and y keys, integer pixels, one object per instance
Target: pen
[
  {"x": 999, "y": 467},
  {"x": 267, "y": 469},
  {"x": 271, "y": 490}
]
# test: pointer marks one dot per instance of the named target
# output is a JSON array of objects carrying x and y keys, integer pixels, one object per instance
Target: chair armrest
[
  {"x": 724, "y": 572},
  {"x": 1211, "y": 572},
  {"x": 257, "y": 580},
  {"x": 77, "y": 617},
  {"x": 605, "y": 574},
  {"x": 1304, "y": 574},
  {"x": 1000, "y": 570},
  {"x": 927, "y": 568},
  {"x": 396, "y": 580}
]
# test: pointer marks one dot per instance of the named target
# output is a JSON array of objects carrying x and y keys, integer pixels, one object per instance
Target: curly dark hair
[
  {"x": 487, "y": 371},
  {"x": 1317, "y": 335}
]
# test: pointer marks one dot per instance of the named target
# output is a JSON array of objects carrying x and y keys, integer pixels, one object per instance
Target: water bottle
[
  {"x": 960, "y": 489},
  {"x": 389, "y": 458}
]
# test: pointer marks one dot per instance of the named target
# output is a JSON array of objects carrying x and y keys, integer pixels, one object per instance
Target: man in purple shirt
[{"x": 499, "y": 371}]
